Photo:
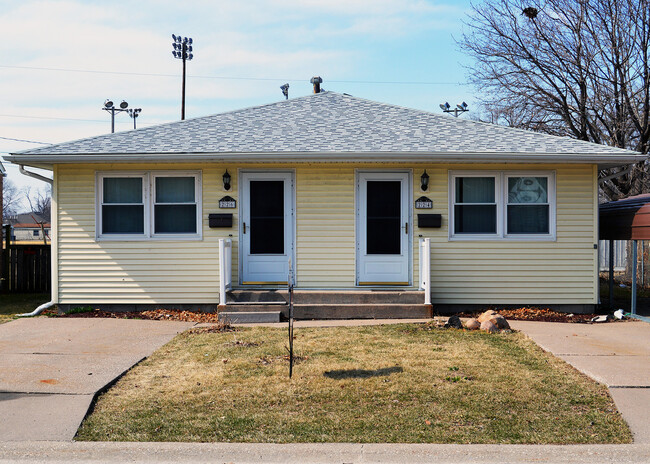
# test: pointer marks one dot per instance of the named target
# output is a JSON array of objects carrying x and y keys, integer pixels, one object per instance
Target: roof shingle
[{"x": 326, "y": 122}]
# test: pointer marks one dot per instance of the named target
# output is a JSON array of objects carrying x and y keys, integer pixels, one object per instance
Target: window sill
[
  {"x": 488, "y": 238},
  {"x": 167, "y": 238}
]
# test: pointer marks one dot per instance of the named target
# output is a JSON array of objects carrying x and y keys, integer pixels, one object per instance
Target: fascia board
[{"x": 603, "y": 160}]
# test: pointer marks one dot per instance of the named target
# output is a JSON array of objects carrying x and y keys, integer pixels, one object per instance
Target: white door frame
[
  {"x": 289, "y": 217},
  {"x": 407, "y": 216}
]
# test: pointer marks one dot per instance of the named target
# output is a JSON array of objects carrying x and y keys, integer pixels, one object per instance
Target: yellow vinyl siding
[
  {"x": 148, "y": 272},
  {"x": 463, "y": 272},
  {"x": 325, "y": 245},
  {"x": 502, "y": 271}
]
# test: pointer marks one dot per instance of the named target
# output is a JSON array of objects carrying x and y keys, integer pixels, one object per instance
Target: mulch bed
[
  {"x": 154, "y": 315},
  {"x": 533, "y": 313}
]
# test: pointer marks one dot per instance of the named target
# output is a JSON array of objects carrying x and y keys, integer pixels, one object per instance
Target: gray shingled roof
[{"x": 327, "y": 122}]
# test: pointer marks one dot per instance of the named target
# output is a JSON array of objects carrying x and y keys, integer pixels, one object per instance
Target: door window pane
[
  {"x": 383, "y": 218},
  {"x": 267, "y": 217}
]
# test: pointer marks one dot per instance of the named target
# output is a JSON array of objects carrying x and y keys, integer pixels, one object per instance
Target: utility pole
[{"x": 182, "y": 51}]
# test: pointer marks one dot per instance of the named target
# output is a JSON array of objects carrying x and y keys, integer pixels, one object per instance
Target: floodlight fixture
[
  {"x": 460, "y": 108},
  {"x": 285, "y": 90},
  {"x": 110, "y": 106},
  {"x": 182, "y": 51},
  {"x": 134, "y": 113}
]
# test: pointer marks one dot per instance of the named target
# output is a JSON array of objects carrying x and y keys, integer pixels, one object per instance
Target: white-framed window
[
  {"x": 504, "y": 205},
  {"x": 153, "y": 205}
]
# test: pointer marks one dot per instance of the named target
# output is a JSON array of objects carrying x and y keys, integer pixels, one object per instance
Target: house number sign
[
  {"x": 423, "y": 203},
  {"x": 227, "y": 202}
]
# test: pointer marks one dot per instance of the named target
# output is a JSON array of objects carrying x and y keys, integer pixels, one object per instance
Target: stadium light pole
[
  {"x": 182, "y": 51},
  {"x": 134, "y": 113},
  {"x": 109, "y": 106}
]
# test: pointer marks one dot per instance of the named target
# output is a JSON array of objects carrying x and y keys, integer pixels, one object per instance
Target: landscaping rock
[
  {"x": 454, "y": 322},
  {"x": 604, "y": 318},
  {"x": 500, "y": 322},
  {"x": 489, "y": 327},
  {"x": 487, "y": 315},
  {"x": 472, "y": 324}
]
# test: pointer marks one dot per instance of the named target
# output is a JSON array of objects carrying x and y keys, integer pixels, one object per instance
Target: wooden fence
[{"x": 26, "y": 269}]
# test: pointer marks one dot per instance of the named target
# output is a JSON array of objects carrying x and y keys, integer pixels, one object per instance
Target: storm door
[
  {"x": 383, "y": 228},
  {"x": 266, "y": 227}
]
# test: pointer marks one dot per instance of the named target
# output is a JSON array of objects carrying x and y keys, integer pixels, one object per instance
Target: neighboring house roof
[
  {"x": 2, "y": 170},
  {"x": 327, "y": 126},
  {"x": 27, "y": 220}
]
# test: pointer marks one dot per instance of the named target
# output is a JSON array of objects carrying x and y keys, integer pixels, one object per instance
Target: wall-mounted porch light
[
  {"x": 226, "y": 180},
  {"x": 424, "y": 181}
]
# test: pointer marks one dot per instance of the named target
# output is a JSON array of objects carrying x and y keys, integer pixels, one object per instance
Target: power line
[
  {"x": 23, "y": 140},
  {"x": 49, "y": 117},
  {"x": 234, "y": 78}
]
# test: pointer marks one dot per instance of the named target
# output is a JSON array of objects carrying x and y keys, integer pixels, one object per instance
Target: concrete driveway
[
  {"x": 616, "y": 354},
  {"x": 50, "y": 369}
]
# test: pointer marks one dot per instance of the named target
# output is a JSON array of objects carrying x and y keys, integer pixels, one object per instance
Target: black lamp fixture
[
  {"x": 226, "y": 180},
  {"x": 424, "y": 181}
]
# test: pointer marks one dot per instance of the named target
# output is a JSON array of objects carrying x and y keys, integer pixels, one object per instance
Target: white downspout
[
  {"x": 38, "y": 310},
  {"x": 50, "y": 303}
]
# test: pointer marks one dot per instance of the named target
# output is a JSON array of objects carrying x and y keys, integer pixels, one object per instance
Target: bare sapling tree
[
  {"x": 40, "y": 201},
  {"x": 11, "y": 198},
  {"x": 577, "y": 68}
]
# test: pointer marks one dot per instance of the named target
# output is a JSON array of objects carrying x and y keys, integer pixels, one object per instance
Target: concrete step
[
  {"x": 249, "y": 317},
  {"x": 331, "y": 311},
  {"x": 360, "y": 311},
  {"x": 326, "y": 296}
]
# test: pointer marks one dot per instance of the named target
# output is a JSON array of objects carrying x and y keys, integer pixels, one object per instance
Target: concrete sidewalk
[
  {"x": 50, "y": 369},
  {"x": 616, "y": 354},
  {"x": 316, "y": 453}
]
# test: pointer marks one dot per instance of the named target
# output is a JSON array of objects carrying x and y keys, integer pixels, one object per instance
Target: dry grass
[
  {"x": 16, "y": 303},
  {"x": 400, "y": 383}
]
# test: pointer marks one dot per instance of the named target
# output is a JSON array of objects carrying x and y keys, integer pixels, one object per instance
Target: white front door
[
  {"x": 266, "y": 227},
  {"x": 383, "y": 228}
]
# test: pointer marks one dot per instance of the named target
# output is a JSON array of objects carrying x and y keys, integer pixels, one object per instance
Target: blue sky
[{"x": 125, "y": 47}]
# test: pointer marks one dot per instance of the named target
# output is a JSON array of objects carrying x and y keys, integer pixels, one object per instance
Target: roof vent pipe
[{"x": 317, "y": 81}]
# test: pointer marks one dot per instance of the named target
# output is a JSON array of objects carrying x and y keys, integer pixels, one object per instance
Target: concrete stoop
[{"x": 261, "y": 305}]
